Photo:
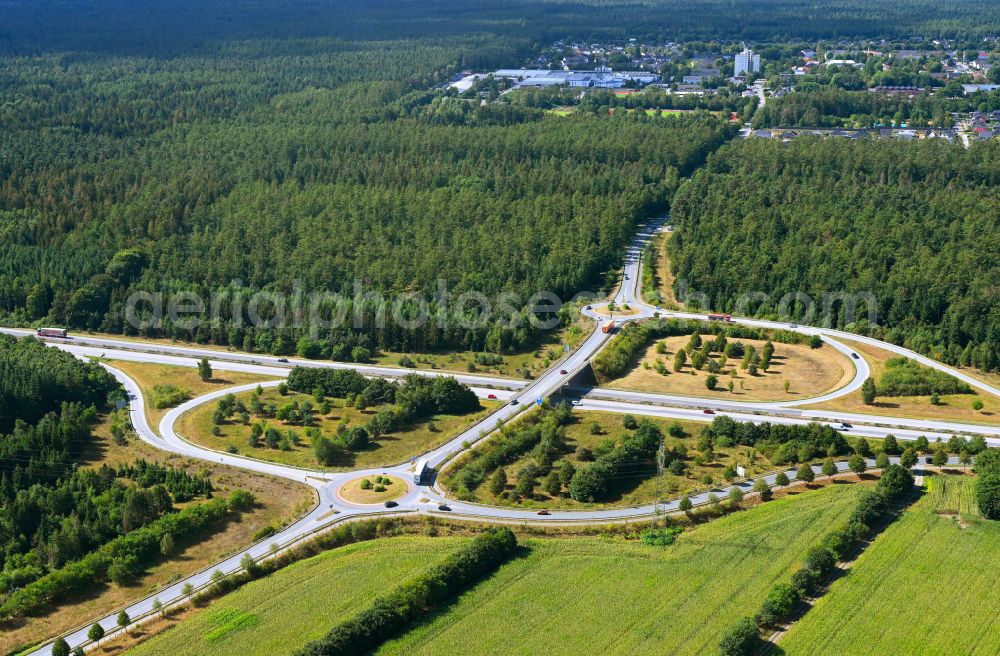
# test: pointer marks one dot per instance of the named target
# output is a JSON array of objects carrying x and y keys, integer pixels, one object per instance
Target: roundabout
[{"x": 373, "y": 490}]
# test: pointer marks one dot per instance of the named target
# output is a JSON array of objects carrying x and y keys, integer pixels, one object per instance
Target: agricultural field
[
  {"x": 279, "y": 613},
  {"x": 926, "y": 586},
  {"x": 953, "y": 407},
  {"x": 151, "y": 376},
  {"x": 601, "y": 595},
  {"x": 394, "y": 448},
  {"x": 279, "y": 501},
  {"x": 808, "y": 372}
]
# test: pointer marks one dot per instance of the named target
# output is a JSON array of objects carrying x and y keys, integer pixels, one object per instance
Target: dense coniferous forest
[
  {"x": 279, "y": 146},
  {"x": 913, "y": 224},
  {"x": 55, "y": 517},
  {"x": 321, "y": 165},
  {"x": 36, "y": 380},
  {"x": 154, "y": 28}
]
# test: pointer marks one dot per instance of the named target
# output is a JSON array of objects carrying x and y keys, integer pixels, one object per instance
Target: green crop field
[
  {"x": 928, "y": 585},
  {"x": 282, "y": 612},
  {"x": 601, "y": 596}
]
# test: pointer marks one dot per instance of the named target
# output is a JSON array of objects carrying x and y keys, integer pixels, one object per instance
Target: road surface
[{"x": 331, "y": 509}]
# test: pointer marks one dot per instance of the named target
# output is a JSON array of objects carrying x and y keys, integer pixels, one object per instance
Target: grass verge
[{"x": 952, "y": 407}]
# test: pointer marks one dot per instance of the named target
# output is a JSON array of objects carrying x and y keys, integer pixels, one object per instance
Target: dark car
[
  {"x": 563, "y": 372},
  {"x": 514, "y": 401},
  {"x": 544, "y": 512},
  {"x": 855, "y": 356},
  {"x": 391, "y": 504},
  {"x": 282, "y": 359},
  {"x": 442, "y": 506}
]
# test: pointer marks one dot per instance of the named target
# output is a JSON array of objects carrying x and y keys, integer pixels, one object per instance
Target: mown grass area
[
  {"x": 379, "y": 489},
  {"x": 927, "y": 585},
  {"x": 602, "y": 596},
  {"x": 411, "y": 440},
  {"x": 149, "y": 375},
  {"x": 282, "y": 612},
  {"x": 952, "y": 407},
  {"x": 808, "y": 372},
  {"x": 590, "y": 429}
]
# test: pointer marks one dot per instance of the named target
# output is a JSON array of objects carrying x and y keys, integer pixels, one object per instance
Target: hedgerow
[{"x": 388, "y": 616}]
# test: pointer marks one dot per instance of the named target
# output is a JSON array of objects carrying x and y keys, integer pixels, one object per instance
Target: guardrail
[{"x": 879, "y": 422}]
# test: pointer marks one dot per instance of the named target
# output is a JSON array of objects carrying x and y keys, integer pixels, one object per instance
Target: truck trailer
[{"x": 422, "y": 473}]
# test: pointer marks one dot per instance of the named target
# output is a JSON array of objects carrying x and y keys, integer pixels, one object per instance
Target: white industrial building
[
  {"x": 746, "y": 62},
  {"x": 602, "y": 78}
]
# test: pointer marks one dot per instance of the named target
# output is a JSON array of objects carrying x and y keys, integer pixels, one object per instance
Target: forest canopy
[
  {"x": 127, "y": 27},
  {"x": 908, "y": 230},
  {"x": 321, "y": 166}
]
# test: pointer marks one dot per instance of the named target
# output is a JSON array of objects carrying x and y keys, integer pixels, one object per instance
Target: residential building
[{"x": 746, "y": 62}]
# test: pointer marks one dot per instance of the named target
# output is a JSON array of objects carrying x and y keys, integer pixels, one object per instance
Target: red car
[
  {"x": 544, "y": 512},
  {"x": 491, "y": 396},
  {"x": 708, "y": 411}
]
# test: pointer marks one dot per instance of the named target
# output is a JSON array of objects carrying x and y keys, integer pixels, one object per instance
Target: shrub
[
  {"x": 168, "y": 396},
  {"x": 241, "y": 500},
  {"x": 870, "y": 507},
  {"x": 988, "y": 485},
  {"x": 780, "y": 603},
  {"x": 761, "y": 487},
  {"x": 661, "y": 537},
  {"x": 896, "y": 481},
  {"x": 904, "y": 377},
  {"x": 741, "y": 639}
]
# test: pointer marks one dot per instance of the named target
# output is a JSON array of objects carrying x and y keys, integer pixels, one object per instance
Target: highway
[
  {"x": 171, "y": 354},
  {"x": 331, "y": 509}
]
